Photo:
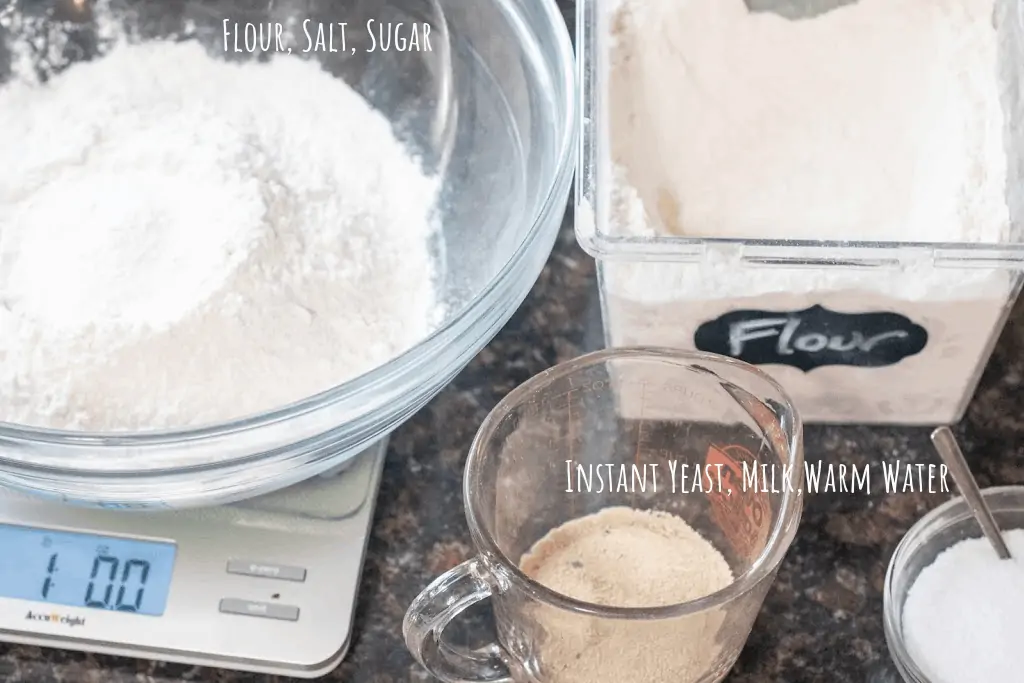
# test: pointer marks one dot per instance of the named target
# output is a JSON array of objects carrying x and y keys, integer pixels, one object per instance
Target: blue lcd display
[{"x": 83, "y": 570}]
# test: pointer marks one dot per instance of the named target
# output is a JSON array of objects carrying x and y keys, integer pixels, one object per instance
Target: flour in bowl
[{"x": 185, "y": 241}]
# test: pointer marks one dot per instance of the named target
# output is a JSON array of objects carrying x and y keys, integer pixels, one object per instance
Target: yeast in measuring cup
[
  {"x": 624, "y": 557},
  {"x": 906, "y": 141}
]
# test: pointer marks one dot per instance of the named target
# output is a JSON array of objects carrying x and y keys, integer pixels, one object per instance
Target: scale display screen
[{"x": 85, "y": 570}]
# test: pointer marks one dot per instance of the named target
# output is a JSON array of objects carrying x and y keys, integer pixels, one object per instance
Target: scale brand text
[{"x": 54, "y": 618}]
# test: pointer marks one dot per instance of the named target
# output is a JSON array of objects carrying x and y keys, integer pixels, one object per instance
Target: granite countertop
[{"x": 823, "y": 617}]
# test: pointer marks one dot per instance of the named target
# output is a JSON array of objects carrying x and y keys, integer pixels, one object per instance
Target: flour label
[{"x": 812, "y": 338}]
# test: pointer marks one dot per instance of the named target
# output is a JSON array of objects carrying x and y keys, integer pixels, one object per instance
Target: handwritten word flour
[{"x": 185, "y": 241}]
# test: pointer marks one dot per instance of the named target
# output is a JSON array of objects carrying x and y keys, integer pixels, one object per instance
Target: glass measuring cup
[{"x": 632, "y": 409}]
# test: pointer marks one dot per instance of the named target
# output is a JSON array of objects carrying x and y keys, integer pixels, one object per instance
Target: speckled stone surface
[{"x": 821, "y": 620}]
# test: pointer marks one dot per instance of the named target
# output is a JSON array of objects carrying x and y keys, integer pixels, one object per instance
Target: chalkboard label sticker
[{"x": 812, "y": 338}]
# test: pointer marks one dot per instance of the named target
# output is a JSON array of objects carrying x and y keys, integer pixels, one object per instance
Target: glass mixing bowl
[{"x": 492, "y": 107}]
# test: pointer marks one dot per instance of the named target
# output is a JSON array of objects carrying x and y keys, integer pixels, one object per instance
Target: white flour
[
  {"x": 185, "y": 241},
  {"x": 880, "y": 120}
]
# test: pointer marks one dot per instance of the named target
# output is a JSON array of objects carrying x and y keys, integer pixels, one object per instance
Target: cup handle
[{"x": 423, "y": 627}]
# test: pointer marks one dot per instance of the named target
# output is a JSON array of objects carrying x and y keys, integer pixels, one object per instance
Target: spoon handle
[{"x": 947, "y": 446}]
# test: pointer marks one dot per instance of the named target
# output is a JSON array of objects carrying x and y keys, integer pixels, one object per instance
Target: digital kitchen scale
[{"x": 266, "y": 585}]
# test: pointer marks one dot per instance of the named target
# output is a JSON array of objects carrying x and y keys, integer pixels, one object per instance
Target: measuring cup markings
[
  {"x": 639, "y": 437},
  {"x": 585, "y": 383},
  {"x": 740, "y": 516}
]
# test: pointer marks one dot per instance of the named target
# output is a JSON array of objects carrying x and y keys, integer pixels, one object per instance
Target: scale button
[
  {"x": 267, "y": 610},
  {"x": 267, "y": 571}
]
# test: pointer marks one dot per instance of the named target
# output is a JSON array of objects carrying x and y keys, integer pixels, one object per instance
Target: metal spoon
[{"x": 946, "y": 445}]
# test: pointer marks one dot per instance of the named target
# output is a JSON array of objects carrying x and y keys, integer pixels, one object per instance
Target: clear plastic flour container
[
  {"x": 492, "y": 105},
  {"x": 829, "y": 190}
]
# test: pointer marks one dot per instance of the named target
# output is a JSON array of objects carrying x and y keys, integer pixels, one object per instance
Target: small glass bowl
[{"x": 941, "y": 528}]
